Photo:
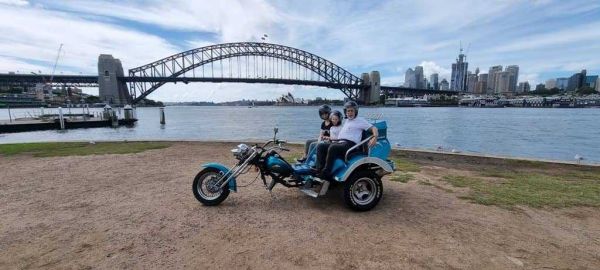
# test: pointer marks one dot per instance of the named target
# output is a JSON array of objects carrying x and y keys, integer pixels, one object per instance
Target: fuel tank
[{"x": 276, "y": 164}]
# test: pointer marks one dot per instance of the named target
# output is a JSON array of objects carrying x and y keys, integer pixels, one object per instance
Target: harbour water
[{"x": 555, "y": 134}]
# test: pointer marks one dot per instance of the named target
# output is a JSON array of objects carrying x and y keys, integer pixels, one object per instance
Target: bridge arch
[{"x": 147, "y": 78}]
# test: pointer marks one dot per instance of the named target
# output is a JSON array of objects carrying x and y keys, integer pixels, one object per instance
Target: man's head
[{"x": 351, "y": 109}]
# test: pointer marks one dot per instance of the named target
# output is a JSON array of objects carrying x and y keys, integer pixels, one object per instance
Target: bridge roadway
[{"x": 92, "y": 81}]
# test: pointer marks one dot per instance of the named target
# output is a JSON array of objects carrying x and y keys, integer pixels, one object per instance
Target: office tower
[
  {"x": 409, "y": 78},
  {"x": 502, "y": 82},
  {"x": 551, "y": 83},
  {"x": 523, "y": 87},
  {"x": 458, "y": 80},
  {"x": 590, "y": 81},
  {"x": 514, "y": 77},
  {"x": 433, "y": 79},
  {"x": 576, "y": 81},
  {"x": 419, "y": 78},
  {"x": 491, "y": 83},
  {"x": 444, "y": 85},
  {"x": 481, "y": 86},
  {"x": 562, "y": 83},
  {"x": 471, "y": 82}
]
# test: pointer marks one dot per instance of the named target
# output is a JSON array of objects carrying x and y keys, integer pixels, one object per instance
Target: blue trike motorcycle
[{"x": 359, "y": 172}]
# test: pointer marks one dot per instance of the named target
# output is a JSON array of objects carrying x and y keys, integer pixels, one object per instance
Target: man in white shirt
[{"x": 350, "y": 135}]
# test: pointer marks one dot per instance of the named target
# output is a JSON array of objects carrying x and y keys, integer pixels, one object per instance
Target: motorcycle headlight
[{"x": 240, "y": 151}]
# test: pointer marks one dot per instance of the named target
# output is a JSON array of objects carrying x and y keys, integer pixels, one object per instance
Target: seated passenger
[
  {"x": 324, "y": 113},
  {"x": 350, "y": 135},
  {"x": 336, "y": 125}
]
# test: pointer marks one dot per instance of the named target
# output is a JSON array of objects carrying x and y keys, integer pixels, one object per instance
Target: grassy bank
[
  {"x": 504, "y": 182},
  {"x": 78, "y": 148}
]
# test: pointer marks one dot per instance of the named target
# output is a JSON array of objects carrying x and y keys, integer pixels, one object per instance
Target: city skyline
[{"x": 546, "y": 39}]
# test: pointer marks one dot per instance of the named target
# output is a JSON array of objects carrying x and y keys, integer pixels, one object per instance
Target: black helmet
[
  {"x": 351, "y": 104},
  {"x": 324, "y": 109},
  {"x": 339, "y": 115}
]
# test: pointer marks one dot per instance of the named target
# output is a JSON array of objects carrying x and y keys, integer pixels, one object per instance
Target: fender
[
  {"x": 386, "y": 168},
  {"x": 232, "y": 183}
]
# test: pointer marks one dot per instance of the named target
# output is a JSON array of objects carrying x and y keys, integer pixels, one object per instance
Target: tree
[
  {"x": 586, "y": 90},
  {"x": 92, "y": 99}
]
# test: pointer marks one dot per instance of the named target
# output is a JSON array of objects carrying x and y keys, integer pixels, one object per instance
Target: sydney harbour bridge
[{"x": 242, "y": 62}]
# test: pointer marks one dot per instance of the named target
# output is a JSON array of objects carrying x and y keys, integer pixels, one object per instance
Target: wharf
[{"x": 35, "y": 124}]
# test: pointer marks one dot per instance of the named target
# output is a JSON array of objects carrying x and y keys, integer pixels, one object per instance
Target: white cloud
[
  {"x": 35, "y": 34},
  {"x": 539, "y": 36},
  {"x": 430, "y": 67},
  {"x": 14, "y": 2}
]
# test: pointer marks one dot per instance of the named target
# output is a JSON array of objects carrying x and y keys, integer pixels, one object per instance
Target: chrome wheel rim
[
  {"x": 207, "y": 188},
  {"x": 364, "y": 191}
]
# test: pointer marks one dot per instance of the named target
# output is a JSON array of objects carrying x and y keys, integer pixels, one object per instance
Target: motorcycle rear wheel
[
  {"x": 204, "y": 189},
  {"x": 363, "y": 191}
]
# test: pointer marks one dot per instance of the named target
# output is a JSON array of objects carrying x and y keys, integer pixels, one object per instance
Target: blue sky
[{"x": 546, "y": 38}]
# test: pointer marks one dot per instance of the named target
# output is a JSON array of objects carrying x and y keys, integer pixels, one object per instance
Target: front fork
[{"x": 234, "y": 172}]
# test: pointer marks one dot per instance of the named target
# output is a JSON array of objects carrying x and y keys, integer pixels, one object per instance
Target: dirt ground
[{"x": 138, "y": 211}]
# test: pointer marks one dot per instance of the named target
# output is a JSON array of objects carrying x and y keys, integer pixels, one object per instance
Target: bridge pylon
[
  {"x": 371, "y": 90},
  {"x": 112, "y": 90}
]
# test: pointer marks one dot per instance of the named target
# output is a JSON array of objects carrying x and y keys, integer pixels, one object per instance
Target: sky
[{"x": 546, "y": 38}]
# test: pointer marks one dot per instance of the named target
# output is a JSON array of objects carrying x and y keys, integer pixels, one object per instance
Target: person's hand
[{"x": 372, "y": 142}]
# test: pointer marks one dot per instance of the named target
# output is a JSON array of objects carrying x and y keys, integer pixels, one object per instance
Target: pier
[{"x": 37, "y": 124}]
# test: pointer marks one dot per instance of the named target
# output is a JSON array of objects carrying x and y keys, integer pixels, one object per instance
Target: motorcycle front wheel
[{"x": 205, "y": 189}]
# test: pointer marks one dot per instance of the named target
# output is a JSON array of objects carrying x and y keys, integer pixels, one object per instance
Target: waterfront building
[
  {"x": 576, "y": 81},
  {"x": 540, "y": 87},
  {"x": 420, "y": 78},
  {"x": 513, "y": 71},
  {"x": 503, "y": 82},
  {"x": 492, "y": 78},
  {"x": 481, "y": 86},
  {"x": 590, "y": 81},
  {"x": 433, "y": 79},
  {"x": 444, "y": 85},
  {"x": 523, "y": 87},
  {"x": 410, "y": 79},
  {"x": 459, "y": 73},
  {"x": 551, "y": 83},
  {"x": 471, "y": 82},
  {"x": 562, "y": 83}
]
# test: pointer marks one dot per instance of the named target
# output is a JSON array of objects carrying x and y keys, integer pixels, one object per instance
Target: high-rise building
[
  {"x": 471, "y": 82},
  {"x": 551, "y": 83},
  {"x": 458, "y": 80},
  {"x": 433, "y": 79},
  {"x": 481, "y": 86},
  {"x": 409, "y": 78},
  {"x": 562, "y": 83},
  {"x": 420, "y": 78},
  {"x": 598, "y": 84},
  {"x": 444, "y": 85},
  {"x": 590, "y": 81},
  {"x": 513, "y": 71},
  {"x": 540, "y": 87},
  {"x": 503, "y": 82},
  {"x": 523, "y": 87},
  {"x": 576, "y": 81},
  {"x": 491, "y": 83}
]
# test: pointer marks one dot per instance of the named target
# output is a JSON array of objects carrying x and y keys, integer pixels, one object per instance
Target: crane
[{"x": 55, "y": 63}]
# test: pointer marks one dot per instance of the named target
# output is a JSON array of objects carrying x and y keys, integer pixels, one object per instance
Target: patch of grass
[
  {"x": 292, "y": 156},
  {"x": 79, "y": 148},
  {"x": 405, "y": 165},
  {"x": 402, "y": 177},
  {"x": 427, "y": 183},
  {"x": 530, "y": 189}
]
